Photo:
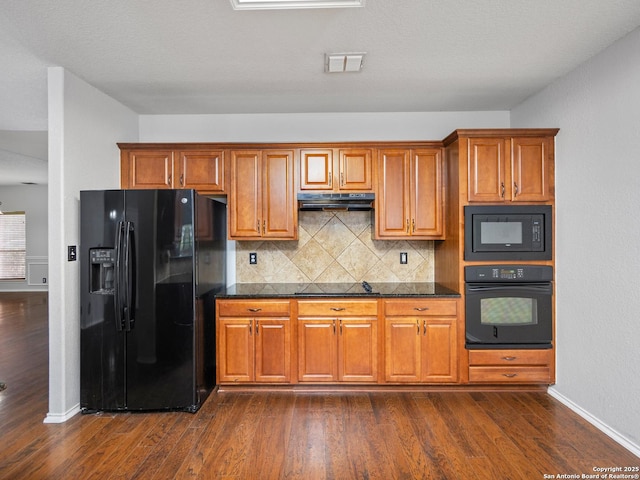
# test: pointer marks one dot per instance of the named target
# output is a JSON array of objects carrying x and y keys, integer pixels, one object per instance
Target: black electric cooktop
[{"x": 336, "y": 289}]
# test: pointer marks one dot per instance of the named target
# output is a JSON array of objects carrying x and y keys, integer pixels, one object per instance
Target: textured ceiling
[{"x": 201, "y": 56}]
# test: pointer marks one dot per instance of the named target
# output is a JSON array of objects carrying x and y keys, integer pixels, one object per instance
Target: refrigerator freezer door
[{"x": 102, "y": 345}]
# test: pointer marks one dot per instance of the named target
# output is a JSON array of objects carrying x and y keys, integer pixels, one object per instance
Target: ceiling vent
[
  {"x": 293, "y": 4},
  {"x": 343, "y": 62}
]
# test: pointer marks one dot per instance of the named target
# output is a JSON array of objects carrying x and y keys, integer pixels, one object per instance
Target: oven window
[
  {"x": 508, "y": 311},
  {"x": 500, "y": 233}
]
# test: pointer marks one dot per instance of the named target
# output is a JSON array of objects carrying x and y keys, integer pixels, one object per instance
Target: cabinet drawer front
[
  {"x": 509, "y": 357},
  {"x": 337, "y": 308},
  {"x": 420, "y": 307},
  {"x": 248, "y": 308},
  {"x": 509, "y": 374}
]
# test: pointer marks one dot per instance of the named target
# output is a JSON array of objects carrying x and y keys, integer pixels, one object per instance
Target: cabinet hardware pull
[
  {"x": 418, "y": 327},
  {"x": 258, "y": 226},
  {"x": 334, "y": 327},
  {"x": 502, "y": 189},
  {"x": 169, "y": 180},
  {"x": 340, "y": 327},
  {"x": 407, "y": 225},
  {"x": 510, "y": 375},
  {"x": 257, "y": 327},
  {"x": 250, "y": 324},
  {"x": 264, "y": 227},
  {"x": 515, "y": 186},
  {"x": 413, "y": 225},
  {"x": 254, "y": 309},
  {"x": 330, "y": 177},
  {"x": 421, "y": 309},
  {"x": 509, "y": 359},
  {"x": 342, "y": 179},
  {"x": 181, "y": 179},
  {"x": 424, "y": 327},
  {"x": 337, "y": 309}
]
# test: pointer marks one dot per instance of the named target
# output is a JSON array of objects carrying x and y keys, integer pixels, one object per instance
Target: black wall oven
[{"x": 509, "y": 306}]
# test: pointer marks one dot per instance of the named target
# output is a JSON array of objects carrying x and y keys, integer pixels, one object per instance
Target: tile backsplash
[{"x": 334, "y": 248}]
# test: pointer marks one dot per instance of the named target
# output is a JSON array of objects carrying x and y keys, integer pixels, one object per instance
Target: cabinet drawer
[
  {"x": 509, "y": 357},
  {"x": 249, "y": 308},
  {"x": 510, "y": 374},
  {"x": 337, "y": 308},
  {"x": 420, "y": 307}
]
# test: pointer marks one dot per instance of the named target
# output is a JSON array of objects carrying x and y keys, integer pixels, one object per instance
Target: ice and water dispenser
[{"x": 102, "y": 273}]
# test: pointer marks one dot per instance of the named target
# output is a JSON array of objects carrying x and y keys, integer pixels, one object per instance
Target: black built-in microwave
[{"x": 507, "y": 232}]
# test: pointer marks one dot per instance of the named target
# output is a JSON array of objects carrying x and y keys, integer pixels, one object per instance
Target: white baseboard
[
  {"x": 62, "y": 417},
  {"x": 606, "y": 429}
]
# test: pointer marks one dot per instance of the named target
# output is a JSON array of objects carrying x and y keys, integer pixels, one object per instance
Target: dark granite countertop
[{"x": 319, "y": 290}]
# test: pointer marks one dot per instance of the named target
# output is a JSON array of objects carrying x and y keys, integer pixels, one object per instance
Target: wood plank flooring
[{"x": 285, "y": 435}]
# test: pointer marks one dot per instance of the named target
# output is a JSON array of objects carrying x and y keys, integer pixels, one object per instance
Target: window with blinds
[{"x": 13, "y": 246}]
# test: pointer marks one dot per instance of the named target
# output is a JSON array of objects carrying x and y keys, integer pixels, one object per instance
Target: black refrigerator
[{"x": 151, "y": 263}]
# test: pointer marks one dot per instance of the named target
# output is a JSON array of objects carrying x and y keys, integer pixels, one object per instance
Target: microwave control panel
[{"x": 508, "y": 273}]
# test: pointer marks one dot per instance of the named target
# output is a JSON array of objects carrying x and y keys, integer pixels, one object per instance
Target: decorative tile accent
[{"x": 334, "y": 248}]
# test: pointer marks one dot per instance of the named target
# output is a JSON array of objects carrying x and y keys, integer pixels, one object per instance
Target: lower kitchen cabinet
[
  {"x": 510, "y": 366},
  {"x": 253, "y": 341},
  {"x": 421, "y": 341},
  {"x": 337, "y": 341}
]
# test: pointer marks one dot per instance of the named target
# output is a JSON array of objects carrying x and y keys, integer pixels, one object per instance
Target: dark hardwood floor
[{"x": 286, "y": 435}]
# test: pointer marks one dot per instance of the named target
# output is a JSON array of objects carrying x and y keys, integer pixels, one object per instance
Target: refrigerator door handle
[
  {"x": 129, "y": 281},
  {"x": 117, "y": 297}
]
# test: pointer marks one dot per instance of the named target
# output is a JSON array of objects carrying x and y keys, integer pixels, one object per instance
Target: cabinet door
[
  {"x": 201, "y": 170},
  {"x": 358, "y": 350},
  {"x": 427, "y": 203},
  {"x": 392, "y": 203},
  {"x": 487, "y": 163},
  {"x": 439, "y": 350},
  {"x": 316, "y": 169},
  {"x": 150, "y": 169},
  {"x": 356, "y": 171},
  {"x": 317, "y": 350},
  {"x": 280, "y": 210},
  {"x": 532, "y": 169},
  {"x": 235, "y": 350},
  {"x": 402, "y": 350},
  {"x": 273, "y": 350},
  {"x": 245, "y": 202}
]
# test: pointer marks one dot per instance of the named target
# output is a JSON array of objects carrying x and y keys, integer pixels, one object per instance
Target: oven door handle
[{"x": 521, "y": 287}]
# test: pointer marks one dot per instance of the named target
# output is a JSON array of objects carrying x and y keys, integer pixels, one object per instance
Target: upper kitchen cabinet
[
  {"x": 262, "y": 195},
  {"x": 336, "y": 170},
  {"x": 516, "y": 168},
  {"x": 410, "y": 195},
  {"x": 160, "y": 167}
]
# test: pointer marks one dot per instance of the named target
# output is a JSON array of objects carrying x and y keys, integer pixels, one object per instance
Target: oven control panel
[{"x": 508, "y": 273}]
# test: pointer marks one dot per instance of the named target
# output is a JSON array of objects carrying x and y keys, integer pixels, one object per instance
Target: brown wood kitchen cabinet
[
  {"x": 156, "y": 167},
  {"x": 336, "y": 169},
  {"x": 510, "y": 169},
  {"x": 410, "y": 195},
  {"x": 337, "y": 341},
  {"x": 421, "y": 341},
  {"x": 510, "y": 366},
  {"x": 253, "y": 341},
  {"x": 262, "y": 195}
]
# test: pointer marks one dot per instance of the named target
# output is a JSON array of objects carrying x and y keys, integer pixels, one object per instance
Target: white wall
[
  {"x": 597, "y": 108},
  {"x": 313, "y": 127},
  {"x": 84, "y": 126},
  {"x": 31, "y": 199}
]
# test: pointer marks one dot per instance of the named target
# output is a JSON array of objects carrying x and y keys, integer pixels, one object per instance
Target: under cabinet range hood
[{"x": 336, "y": 201}]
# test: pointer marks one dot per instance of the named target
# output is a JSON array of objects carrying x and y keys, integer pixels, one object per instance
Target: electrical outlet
[
  {"x": 71, "y": 253},
  {"x": 253, "y": 258},
  {"x": 403, "y": 258}
]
